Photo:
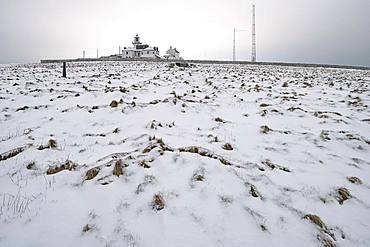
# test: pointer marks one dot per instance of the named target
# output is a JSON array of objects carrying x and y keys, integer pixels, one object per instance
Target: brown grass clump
[
  {"x": 264, "y": 105},
  {"x": 268, "y": 163},
  {"x": 31, "y": 165},
  {"x": 114, "y": 103},
  {"x": 144, "y": 164},
  {"x": 199, "y": 177},
  {"x": 253, "y": 191},
  {"x": 343, "y": 195},
  {"x": 227, "y": 146},
  {"x": 52, "y": 143},
  {"x": 118, "y": 168},
  {"x": 158, "y": 202},
  {"x": 324, "y": 135},
  {"x": 263, "y": 227},
  {"x": 92, "y": 173},
  {"x": 264, "y": 129},
  {"x": 325, "y": 241},
  {"x": 354, "y": 180},
  {"x": 149, "y": 148},
  {"x": 68, "y": 165},
  {"x": 271, "y": 165},
  {"x": 87, "y": 228},
  {"x": 316, "y": 220},
  {"x": 218, "y": 119},
  {"x": 23, "y": 108}
]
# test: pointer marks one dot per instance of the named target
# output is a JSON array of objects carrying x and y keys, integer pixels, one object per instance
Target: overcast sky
[{"x": 316, "y": 31}]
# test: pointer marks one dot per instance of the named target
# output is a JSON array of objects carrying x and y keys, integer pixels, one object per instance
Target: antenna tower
[
  {"x": 254, "y": 55},
  {"x": 234, "y": 47}
]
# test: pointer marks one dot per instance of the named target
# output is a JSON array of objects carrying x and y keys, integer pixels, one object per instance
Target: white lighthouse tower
[{"x": 136, "y": 41}]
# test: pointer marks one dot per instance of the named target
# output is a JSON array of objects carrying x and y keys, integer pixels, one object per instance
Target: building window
[{"x": 126, "y": 52}]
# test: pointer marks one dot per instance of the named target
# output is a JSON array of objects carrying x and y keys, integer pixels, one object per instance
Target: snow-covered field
[{"x": 142, "y": 154}]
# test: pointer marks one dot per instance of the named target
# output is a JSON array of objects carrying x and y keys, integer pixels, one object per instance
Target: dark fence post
[{"x": 64, "y": 70}]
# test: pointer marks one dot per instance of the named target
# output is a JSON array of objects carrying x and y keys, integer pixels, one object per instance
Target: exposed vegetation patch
[
  {"x": 113, "y": 104},
  {"x": 87, "y": 228},
  {"x": 157, "y": 142},
  {"x": 220, "y": 120},
  {"x": 198, "y": 176},
  {"x": 31, "y": 165},
  {"x": 325, "y": 241},
  {"x": 264, "y": 129},
  {"x": 92, "y": 173},
  {"x": 11, "y": 153},
  {"x": 253, "y": 191},
  {"x": 68, "y": 165},
  {"x": 343, "y": 194},
  {"x": 264, "y": 105},
  {"x": 354, "y": 180},
  {"x": 227, "y": 146},
  {"x": 272, "y": 166},
  {"x": 158, "y": 202},
  {"x": 144, "y": 164},
  {"x": 118, "y": 168},
  {"x": 23, "y": 108},
  {"x": 316, "y": 220},
  {"x": 51, "y": 144},
  {"x": 294, "y": 108},
  {"x": 324, "y": 135},
  {"x": 204, "y": 152}
]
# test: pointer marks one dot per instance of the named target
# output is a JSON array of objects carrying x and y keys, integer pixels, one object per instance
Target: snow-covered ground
[{"x": 142, "y": 154}]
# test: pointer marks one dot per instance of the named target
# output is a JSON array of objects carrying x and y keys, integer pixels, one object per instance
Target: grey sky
[{"x": 317, "y": 31}]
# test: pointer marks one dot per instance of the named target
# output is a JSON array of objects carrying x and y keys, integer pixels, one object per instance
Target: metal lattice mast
[
  {"x": 234, "y": 57},
  {"x": 254, "y": 55}
]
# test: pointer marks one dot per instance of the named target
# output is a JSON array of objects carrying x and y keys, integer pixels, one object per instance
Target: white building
[
  {"x": 172, "y": 54},
  {"x": 140, "y": 50}
]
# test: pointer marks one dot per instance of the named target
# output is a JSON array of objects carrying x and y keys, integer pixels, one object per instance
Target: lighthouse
[{"x": 140, "y": 50}]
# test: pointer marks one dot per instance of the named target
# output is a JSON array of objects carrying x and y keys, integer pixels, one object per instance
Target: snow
[{"x": 169, "y": 129}]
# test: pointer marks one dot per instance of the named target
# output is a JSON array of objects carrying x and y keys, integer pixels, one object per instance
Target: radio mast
[
  {"x": 254, "y": 55},
  {"x": 234, "y": 46}
]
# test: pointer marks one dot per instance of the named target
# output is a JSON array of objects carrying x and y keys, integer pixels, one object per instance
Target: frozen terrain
[{"x": 144, "y": 154}]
